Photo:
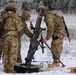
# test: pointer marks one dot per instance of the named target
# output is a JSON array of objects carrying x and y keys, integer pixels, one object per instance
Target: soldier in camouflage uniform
[
  {"x": 24, "y": 17},
  {"x": 12, "y": 27},
  {"x": 56, "y": 30}
]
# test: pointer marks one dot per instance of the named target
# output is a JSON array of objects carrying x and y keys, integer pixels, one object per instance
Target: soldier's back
[{"x": 12, "y": 24}]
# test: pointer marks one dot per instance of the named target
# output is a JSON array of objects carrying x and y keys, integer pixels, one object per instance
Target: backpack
[{"x": 2, "y": 23}]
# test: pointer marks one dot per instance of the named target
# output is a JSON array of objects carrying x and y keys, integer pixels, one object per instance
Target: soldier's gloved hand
[{"x": 44, "y": 40}]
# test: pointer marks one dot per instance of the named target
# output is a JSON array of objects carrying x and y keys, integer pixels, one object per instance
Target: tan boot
[{"x": 54, "y": 64}]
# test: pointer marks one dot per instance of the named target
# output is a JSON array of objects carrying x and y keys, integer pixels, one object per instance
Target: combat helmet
[
  {"x": 25, "y": 15},
  {"x": 40, "y": 6},
  {"x": 12, "y": 5}
]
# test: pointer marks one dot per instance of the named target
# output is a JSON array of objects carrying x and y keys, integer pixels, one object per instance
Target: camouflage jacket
[
  {"x": 55, "y": 25},
  {"x": 12, "y": 25},
  {"x": 24, "y": 17}
]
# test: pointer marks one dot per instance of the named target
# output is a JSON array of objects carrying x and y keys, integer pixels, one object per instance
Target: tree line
[{"x": 63, "y": 5}]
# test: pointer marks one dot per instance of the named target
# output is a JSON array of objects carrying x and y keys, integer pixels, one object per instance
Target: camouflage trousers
[
  {"x": 1, "y": 47},
  {"x": 56, "y": 47},
  {"x": 10, "y": 52}
]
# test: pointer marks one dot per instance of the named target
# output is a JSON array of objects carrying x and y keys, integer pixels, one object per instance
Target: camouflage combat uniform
[
  {"x": 56, "y": 30},
  {"x": 24, "y": 17},
  {"x": 12, "y": 27}
]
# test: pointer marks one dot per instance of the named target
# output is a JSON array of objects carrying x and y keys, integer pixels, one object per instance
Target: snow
[{"x": 68, "y": 56}]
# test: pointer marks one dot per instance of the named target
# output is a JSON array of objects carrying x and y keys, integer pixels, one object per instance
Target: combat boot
[{"x": 54, "y": 64}]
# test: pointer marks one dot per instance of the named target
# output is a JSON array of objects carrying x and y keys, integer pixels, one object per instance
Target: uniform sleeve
[
  {"x": 27, "y": 31},
  {"x": 50, "y": 26}
]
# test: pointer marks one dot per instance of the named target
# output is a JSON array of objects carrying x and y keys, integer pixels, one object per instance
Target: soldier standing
[
  {"x": 56, "y": 30},
  {"x": 11, "y": 29},
  {"x": 24, "y": 17}
]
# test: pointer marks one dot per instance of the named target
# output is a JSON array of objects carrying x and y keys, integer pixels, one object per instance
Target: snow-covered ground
[{"x": 68, "y": 56}]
